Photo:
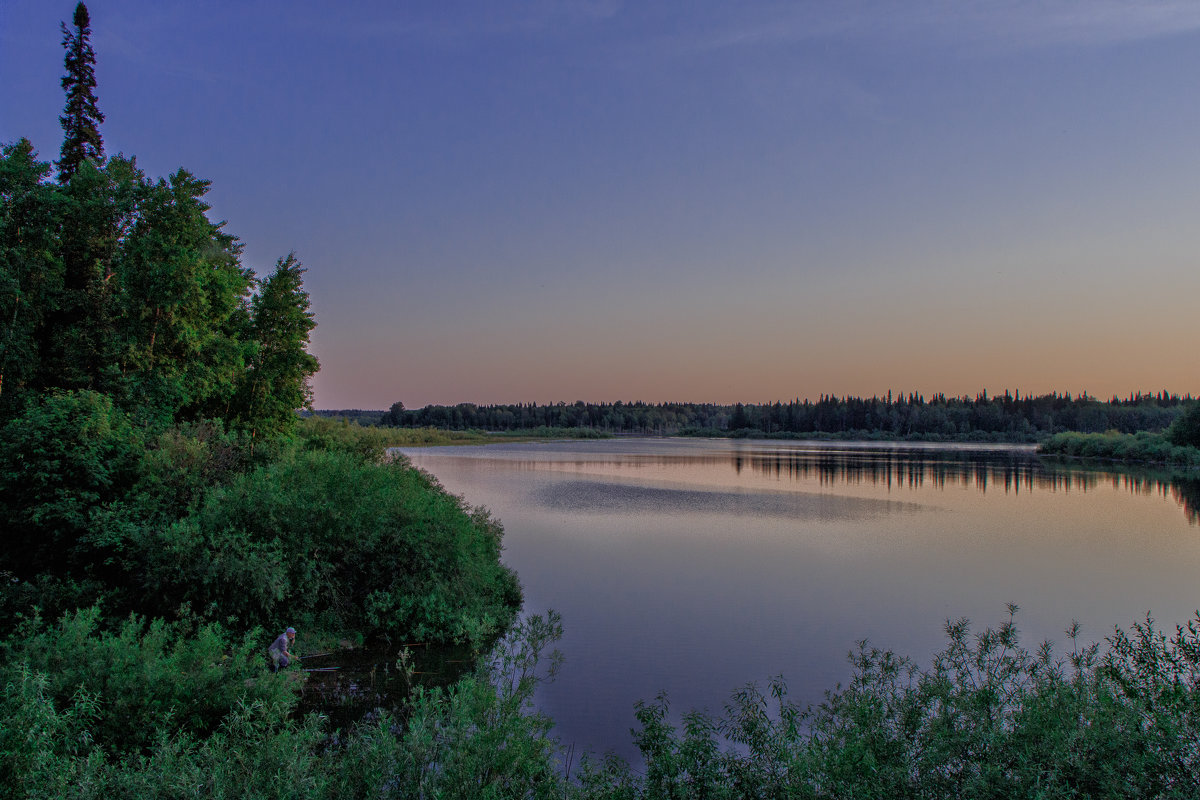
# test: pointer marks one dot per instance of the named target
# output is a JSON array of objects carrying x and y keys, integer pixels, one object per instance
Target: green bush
[
  {"x": 478, "y": 738},
  {"x": 183, "y": 462},
  {"x": 988, "y": 719},
  {"x": 326, "y": 538},
  {"x": 47, "y": 750},
  {"x": 65, "y": 464},
  {"x": 1138, "y": 447},
  {"x": 144, "y": 678},
  {"x": 319, "y": 433}
]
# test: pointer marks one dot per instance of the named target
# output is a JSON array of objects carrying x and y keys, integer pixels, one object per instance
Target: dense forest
[{"x": 1009, "y": 417}]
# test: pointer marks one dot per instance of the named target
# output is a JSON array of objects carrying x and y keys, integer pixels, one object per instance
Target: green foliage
[
  {"x": 1005, "y": 418},
  {"x": 145, "y": 677},
  {"x": 988, "y": 719},
  {"x": 182, "y": 463},
  {"x": 328, "y": 538},
  {"x": 184, "y": 335},
  {"x": 479, "y": 738},
  {"x": 553, "y": 432},
  {"x": 147, "y": 401},
  {"x": 44, "y": 747},
  {"x": 422, "y": 437},
  {"x": 1185, "y": 430},
  {"x": 1156, "y": 680},
  {"x": 117, "y": 283},
  {"x": 276, "y": 384},
  {"x": 77, "y": 346},
  {"x": 1138, "y": 447},
  {"x": 369, "y": 444},
  {"x": 30, "y": 267},
  {"x": 47, "y": 750},
  {"x": 65, "y": 464}
]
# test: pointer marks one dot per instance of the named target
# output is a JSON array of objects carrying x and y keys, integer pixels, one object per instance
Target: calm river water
[{"x": 692, "y": 568}]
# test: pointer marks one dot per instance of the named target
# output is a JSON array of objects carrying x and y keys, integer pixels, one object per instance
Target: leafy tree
[
  {"x": 276, "y": 383},
  {"x": 30, "y": 266},
  {"x": 82, "y": 117},
  {"x": 181, "y": 302},
  {"x": 394, "y": 416},
  {"x": 1185, "y": 430}
]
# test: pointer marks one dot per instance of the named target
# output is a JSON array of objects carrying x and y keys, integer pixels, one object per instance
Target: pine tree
[{"x": 82, "y": 117}]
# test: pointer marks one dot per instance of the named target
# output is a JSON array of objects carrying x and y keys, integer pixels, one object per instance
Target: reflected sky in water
[
  {"x": 694, "y": 567},
  {"x": 605, "y": 497}
]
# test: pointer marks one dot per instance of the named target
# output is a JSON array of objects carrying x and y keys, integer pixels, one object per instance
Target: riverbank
[
  {"x": 1124, "y": 448},
  {"x": 436, "y": 437}
]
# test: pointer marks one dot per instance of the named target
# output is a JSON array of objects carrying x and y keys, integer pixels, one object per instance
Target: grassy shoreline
[{"x": 1124, "y": 448}]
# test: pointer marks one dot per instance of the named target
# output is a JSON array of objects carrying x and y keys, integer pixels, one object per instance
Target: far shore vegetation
[
  {"x": 1141, "y": 428},
  {"x": 1010, "y": 417},
  {"x": 1178, "y": 445}
]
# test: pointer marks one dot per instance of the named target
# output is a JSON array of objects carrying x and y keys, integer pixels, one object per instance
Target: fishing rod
[
  {"x": 316, "y": 655},
  {"x": 321, "y": 669}
]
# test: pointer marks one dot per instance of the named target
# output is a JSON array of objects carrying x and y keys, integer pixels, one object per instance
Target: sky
[{"x": 537, "y": 201}]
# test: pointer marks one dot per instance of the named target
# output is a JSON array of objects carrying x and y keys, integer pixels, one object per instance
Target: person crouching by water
[{"x": 280, "y": 650}]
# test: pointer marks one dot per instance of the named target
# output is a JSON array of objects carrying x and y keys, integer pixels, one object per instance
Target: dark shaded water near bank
[{"x": 347, "y": 684}]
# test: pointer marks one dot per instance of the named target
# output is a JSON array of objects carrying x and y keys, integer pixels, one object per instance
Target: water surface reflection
[{"x": 693, "y": 567}]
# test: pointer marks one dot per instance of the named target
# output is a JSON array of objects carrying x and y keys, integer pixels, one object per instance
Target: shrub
[
  {"x": 480, "y": 737},
  {"x": 319, "y": 433},
  {"x": 325, "y": 538},
  {"x": 988, "y": 719},
  {"x": 66, "y": 461},
  {"x": 1139, "y": 447},
  {"x": 144, "y": 678}
]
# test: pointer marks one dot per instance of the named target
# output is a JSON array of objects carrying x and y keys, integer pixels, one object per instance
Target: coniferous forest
[
  {"x": 1009, "y": 417},
  {"x": 165, "y": 513}
]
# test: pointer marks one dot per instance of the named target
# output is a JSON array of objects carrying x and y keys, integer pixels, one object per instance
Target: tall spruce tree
[
  {"x": 81, "y": 118},
  {"x": 78, "y": 330}
]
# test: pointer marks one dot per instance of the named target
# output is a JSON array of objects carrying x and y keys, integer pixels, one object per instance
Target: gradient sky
[{"x": 713, "y": 202}]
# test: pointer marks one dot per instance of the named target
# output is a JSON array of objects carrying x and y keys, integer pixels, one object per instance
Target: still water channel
[{"x": 692, "y": 568}]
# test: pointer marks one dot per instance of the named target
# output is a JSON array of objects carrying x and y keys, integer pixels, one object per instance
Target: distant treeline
[{"x": 1008, "y": 417}]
